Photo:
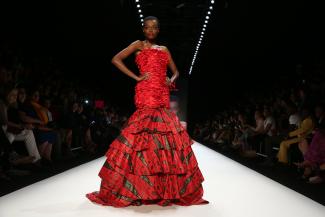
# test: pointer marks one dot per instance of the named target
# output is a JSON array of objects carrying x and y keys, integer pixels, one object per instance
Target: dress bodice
[
  {"x": 152, "y": 92},
  {"x": 154, "y": 61}
]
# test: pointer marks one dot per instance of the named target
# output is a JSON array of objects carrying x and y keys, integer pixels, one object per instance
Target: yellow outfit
[{"x": 305, "y": 129}]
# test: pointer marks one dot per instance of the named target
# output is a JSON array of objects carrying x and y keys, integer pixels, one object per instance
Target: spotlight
[
  {"x": 139, "y": 10},
  {"x": 207, "y": 17},
  {"x": 212, "y": 1},
  {"x": 211, "y": 8}
]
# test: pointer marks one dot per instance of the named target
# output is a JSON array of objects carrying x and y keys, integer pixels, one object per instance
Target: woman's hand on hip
[{"x": 142, "y": 77}]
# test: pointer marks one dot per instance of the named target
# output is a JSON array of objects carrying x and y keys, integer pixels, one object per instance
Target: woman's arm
[
  {"x": 14, "y": 125},
  {"x": 172, "y": 66},
  {"x": 27, "y": 119},
  {"x": 117, "y": 60},
  {"x": 306, "y": 127}
]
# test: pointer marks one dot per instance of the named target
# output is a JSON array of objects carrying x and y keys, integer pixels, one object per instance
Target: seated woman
[
  {"x": 15, "y": 130},
  {"x": 253, "y": 135},
  {"x": 31, "y": 112},
  {"x": 240, "y": 130},
  {"x": 314, "y": 157},
  {"x": 296, "y": 136},
  {"x": 314, "y": 151}
]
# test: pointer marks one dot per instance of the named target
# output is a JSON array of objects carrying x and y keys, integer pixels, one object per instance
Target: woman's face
[
  {"x": 151, "y": 29},
  {"x": 75, "y": 107},
  {"x": 319, "y": 112},
  {"x": 35, "y": 96},
  {"x": 12, "y": 96},
  {"x": 22, "y": 95}
]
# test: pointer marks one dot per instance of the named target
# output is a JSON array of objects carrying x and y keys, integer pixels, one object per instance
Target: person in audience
[
  {"x": 314, "y": 157},
  {"x": 174, "y": 107},
  {"x": 241, "y": 127},
  {"x": 16, "y": 130},
  {"x": 294, "y": 118},
  {"x": 35, "y": 115},
  {"x": 254, "y": 134},
  {"x": 320, "y": 116},
  {"x": 296, "y": 136},
  {"x": 270, "y": 128},
  {"x": 271, "y": 134},
  {"x": 313, "y": 145}
]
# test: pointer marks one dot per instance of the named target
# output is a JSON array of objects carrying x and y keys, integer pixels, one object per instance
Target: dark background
[{"x": 249, "y": 44}]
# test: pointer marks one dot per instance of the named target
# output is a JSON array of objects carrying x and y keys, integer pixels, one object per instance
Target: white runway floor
[{"x": 232, "y": 190}]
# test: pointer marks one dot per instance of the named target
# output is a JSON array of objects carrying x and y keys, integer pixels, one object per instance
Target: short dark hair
[{"x": 151, "y": 18}]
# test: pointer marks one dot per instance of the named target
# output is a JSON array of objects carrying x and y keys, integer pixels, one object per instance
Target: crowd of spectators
[
  {"x": 284, "y": 125},
  {"x": 46, "y": 118}
]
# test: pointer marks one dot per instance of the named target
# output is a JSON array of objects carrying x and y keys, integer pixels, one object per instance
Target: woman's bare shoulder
[
  {"x": 163, "y": 47},
  {"x": 137, "y": 44}
]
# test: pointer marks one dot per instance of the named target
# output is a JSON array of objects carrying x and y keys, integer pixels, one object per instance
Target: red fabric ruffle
[{"x": 150, "y": 162}]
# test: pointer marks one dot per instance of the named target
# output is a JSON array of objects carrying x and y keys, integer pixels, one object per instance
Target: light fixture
[
  {"x": 206, "y": 20},
  {"x": 138, "y": 6}
]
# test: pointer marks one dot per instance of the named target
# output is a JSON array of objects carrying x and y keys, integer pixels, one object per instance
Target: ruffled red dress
[{"x": 151, "y": 161}]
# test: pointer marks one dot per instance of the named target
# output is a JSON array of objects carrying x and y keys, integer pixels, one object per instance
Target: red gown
[{"x": 151, "y": 161}]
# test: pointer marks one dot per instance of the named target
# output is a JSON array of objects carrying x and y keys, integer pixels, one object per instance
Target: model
[{"x": 151, "y": 161}]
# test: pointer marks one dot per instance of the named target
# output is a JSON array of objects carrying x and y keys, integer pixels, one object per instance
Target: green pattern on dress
[
  {"x": 187, "y": 181},
  {"x": 131, "y": 188}
]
